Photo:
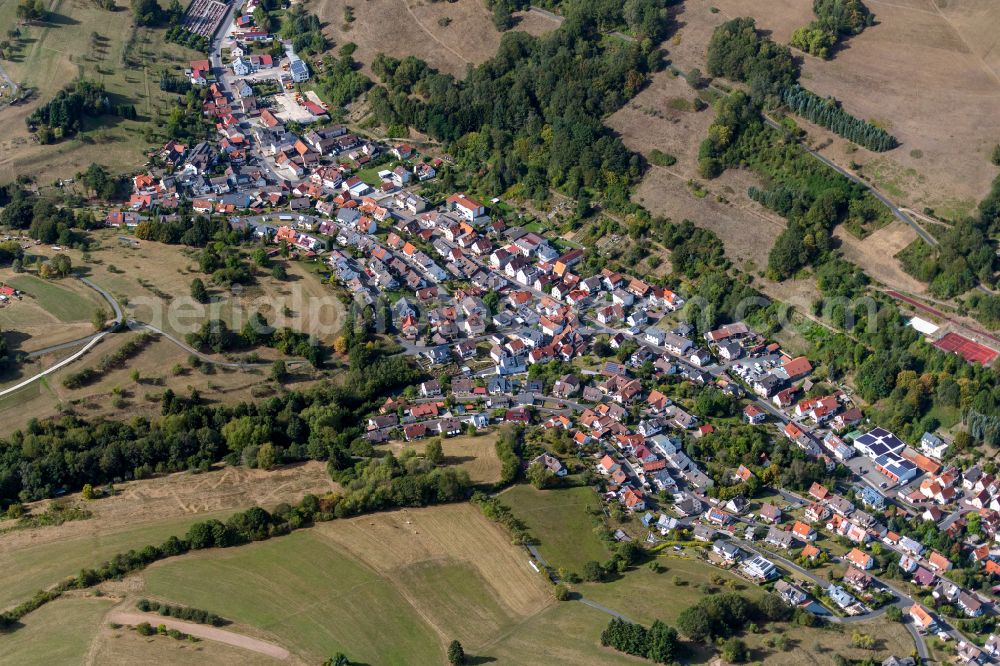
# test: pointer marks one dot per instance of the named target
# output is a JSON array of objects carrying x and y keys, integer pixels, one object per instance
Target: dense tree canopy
[{"x": 532, "y": 115}]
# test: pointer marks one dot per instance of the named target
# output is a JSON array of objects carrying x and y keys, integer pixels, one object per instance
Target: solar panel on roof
[
  {"x": 893, "y": 442},
  {"x": 865, "y": 439},
  {"x": 879, "y": 432},
  {"x": 878, "y": 449}
]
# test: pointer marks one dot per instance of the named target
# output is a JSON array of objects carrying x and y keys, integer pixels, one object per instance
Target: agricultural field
[
  {"x": 450, "y": 36},
  {"x": 560, "y": 520},
  {"x": 428, "y": 576},
  {"x": 476, "y": 455},
  {"x": 58, "y": 633},
  {"x": 142, "y": 512},
  {"x": 82, "y": 40}
]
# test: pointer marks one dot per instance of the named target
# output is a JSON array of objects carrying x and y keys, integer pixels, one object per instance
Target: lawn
[
  {"x": 57, "y": 633},
  {"x": 370, "y": 175},
  {"x": 65, "y": 302},
  {"x": 560, "y": 521},
  {"x": 565, "y": 634},
  {"x": 645, "y": 596}
]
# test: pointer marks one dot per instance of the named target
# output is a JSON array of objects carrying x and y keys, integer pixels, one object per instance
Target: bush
[{"x": 660, "y": 158}]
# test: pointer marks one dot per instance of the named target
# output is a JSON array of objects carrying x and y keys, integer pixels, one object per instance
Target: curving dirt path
[{"x": 202, "y": 631}]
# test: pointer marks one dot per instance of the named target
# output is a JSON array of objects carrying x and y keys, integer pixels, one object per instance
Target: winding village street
[{"x": 480, "y": 303}]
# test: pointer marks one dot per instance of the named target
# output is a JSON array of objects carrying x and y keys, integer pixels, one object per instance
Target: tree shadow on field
[
  {"x": 469, "y": 659},
  {"x": 457, "y": 460},
  {"x": 61, "y": 19}
]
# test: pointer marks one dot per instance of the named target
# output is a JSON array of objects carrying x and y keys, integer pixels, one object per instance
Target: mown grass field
[
  {"x": 51, "y": 312},
  {"x": 60, "y": 298},
  {"x": 305, "y": 594},
  {"x": 390, "y": 588},
  {"x": 58, "y": 633},
  {"x": 560, "y": 521},
  {"x": 569, "y": 633}
]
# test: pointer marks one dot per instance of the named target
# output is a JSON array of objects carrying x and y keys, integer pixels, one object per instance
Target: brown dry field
[
  {"x": 476, "y": 455},
  {"x": 876, "y": 254},
  {"x": 746, "y": 228},
  {"x": 951, "y": 129},
  {"x": 124, "y": 646},
  {"x": 174, "y": 495},
  {"x": 403, "y": 28},
  {"x": 935, "y": 66},
  {"x": 402, "y": 545}
]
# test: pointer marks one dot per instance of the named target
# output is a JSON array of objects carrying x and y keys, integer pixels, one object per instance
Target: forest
[
  {"x": 530, "y": 118},
  {"x": 643, "y": 19},
  {"x": 339, "y": 81},
  {"x": 835, "y": 20}
]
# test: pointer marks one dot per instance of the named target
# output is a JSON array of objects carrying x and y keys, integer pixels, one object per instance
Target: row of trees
[
  {"x": 828, "y": 113},
  {"x": 194, "y": 231},
  {"x": 378, "y": 485},
  {"x": 110, "y": 362},
  {"x": 198, "y": 615}
]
